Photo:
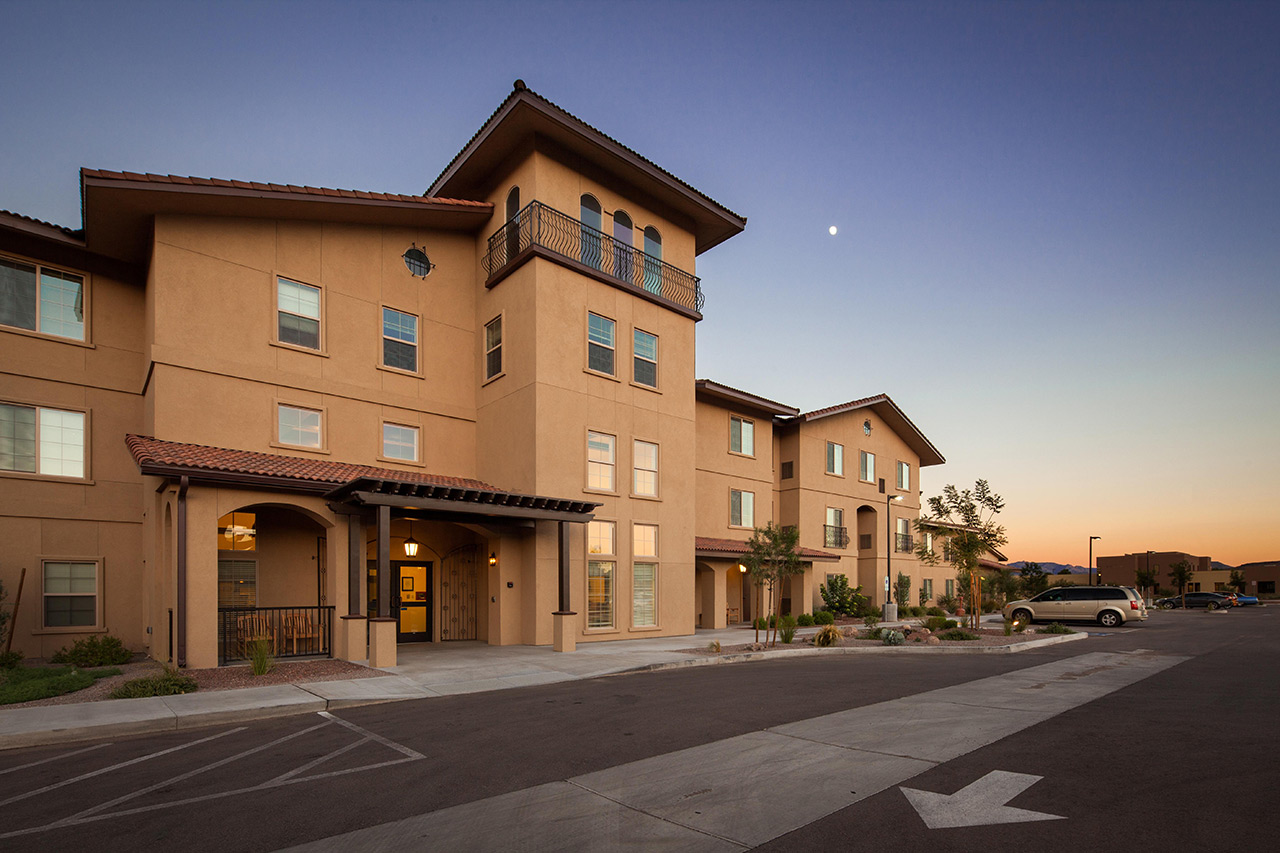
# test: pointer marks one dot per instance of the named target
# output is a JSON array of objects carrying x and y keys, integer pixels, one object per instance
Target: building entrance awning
[{"x": 448, "y": 501}]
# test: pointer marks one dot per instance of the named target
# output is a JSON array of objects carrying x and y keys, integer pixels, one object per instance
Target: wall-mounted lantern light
[
  {"x": 742, "y": 568},
  {"x": 493, "y": 559},
  {"x": 411, "y": 544}
]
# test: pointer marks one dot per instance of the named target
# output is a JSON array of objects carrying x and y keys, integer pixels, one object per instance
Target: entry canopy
[{"x": 415, "y": 495}]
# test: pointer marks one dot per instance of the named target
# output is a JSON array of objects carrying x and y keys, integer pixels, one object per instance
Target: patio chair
[
  {"x": 251, "y": 628},
  {"x": 300, "y": 626}
]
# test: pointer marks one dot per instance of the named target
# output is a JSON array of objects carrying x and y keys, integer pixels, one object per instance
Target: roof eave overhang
[
  {"x": 717, "y": 554},
  {"x": 896, "y": 419},
  {"x": 212, "y": 477},
  {"x": 723, "y": 394},
  {"x": 374, "y": 491},
  {"x": 525, "y": 115}
]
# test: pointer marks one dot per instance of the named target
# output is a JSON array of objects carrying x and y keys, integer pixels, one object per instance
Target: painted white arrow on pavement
[{"x": 977, "y": 804}]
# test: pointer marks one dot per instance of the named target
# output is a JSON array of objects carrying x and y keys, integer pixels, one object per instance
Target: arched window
[
  {"x": 623, "y": 260},
  {"x": 591, "y": 237},
  {"x": 513, "y": 224},
  {"x": 652, "y": 260}
]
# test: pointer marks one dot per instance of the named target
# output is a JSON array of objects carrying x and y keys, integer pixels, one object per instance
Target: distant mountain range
[{"x": 1056, "y": 568}]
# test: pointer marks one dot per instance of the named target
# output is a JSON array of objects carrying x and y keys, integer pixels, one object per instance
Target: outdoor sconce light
[
  {"x": 411, "y": 544},
  {"x": 742, "y": 568},
  {"x": 493, "y": 559}
]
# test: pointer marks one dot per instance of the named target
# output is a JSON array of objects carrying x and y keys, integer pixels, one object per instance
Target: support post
[
  {"x": 565, "y": 626},
  {"x": 355, "y": 563},
  {"x": 384, "y": 562}
]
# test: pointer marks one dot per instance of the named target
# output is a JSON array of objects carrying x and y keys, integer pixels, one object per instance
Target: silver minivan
[{"x": 1109, "y": 606}]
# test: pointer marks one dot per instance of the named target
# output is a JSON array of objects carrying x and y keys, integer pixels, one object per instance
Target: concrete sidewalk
[{"x": 425, "y": 671}]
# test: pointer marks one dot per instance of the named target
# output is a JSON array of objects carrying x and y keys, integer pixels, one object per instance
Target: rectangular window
[
  {"x": 41, "y": 299},
  {"x": 70, "y": 595},
  {"x": 600, "y": 343},
  {"x": 742, "y": 436},
  {"x": 835, "y": 458},
  {"x": 928, "y": 589},
  {"x": 788, "y": 470},
  {"x": 400, "y": 442},
  {"x": 644, "y": 540},
  {"x": 951, "y": 588},
  {"x": 602, "y": 537},
  {"x": 742, "y": 508},
  {"x": 867, "y": 466},
  {"x": 399, "y": 340},
  {"x": 35, "y": 440},
  {"x": 928, "y": 542},
  {"x": 864, "y": 541},
  {"x": 904, "y": 545},
  {"x": 299, "y": 427},
  {"x": 836, "y": 535},
  {"x": 493, "y": 348},
  {"x": 644, "y": 598},
  {"x": 645, "y": 481},
  {"x": 645, "y": 349},
  {"x": 237, "y": 583},
  {"x": 904, "y": 476},
  {"x": 600, "y": 461},
  {"x": 237, "y": 531},
  {"x": 600, "y": 593},
  {"x": 298, "y": 313}
]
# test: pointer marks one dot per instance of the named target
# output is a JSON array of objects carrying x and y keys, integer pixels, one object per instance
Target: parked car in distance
[
  {"x": 1207, "y": 600},
  {"x": 1109, "y": 606},
  {"x": 1242, "y": 599}
]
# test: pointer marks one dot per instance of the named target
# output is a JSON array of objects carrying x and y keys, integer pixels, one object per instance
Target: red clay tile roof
[
  {"x": 275, "y": 188},
  {"x": 720, "y": 389},
  {"x": 153, "y": 454},
  {"x": 70, "y": 232},
  {"x": 852, "y": 404},
  {"x": 740, "y": 547}
]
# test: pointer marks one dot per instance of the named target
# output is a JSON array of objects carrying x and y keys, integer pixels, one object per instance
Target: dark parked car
[
  {"x": 1242, "y": 599},
  {"x": 1208, "y": 600}
]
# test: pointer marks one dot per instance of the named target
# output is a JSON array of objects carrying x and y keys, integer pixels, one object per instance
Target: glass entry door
[{"x": 411, "y": 601}]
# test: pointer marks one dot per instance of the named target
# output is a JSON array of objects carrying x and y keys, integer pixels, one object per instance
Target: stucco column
[
  {"x": 720, "y": 597},
  {"x": 382, "y": 642},
  {"x": 802, "y": 591},
  {"x": 352, "y": 640}
]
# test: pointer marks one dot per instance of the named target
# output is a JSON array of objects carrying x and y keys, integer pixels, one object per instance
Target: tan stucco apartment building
[{"x": 338, "y": 421}]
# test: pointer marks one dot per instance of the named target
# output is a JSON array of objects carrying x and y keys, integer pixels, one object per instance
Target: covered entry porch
[{"x": 725, "y": 594}]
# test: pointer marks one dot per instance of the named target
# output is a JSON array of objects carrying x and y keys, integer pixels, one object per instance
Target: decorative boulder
[{"x": 934, "y": 641}]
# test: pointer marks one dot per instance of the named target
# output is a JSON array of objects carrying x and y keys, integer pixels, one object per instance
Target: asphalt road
[{"x": 1184, "y": 755}]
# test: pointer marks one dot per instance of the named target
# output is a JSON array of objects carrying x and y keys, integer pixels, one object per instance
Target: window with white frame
[
  {"x": 493, "y": 348},
  {"x": 41, "y": 299},
  {"x": 399, "y": 340},
  {"x": 36, "y": 440},
  {"x": 835, "y": 458},
  {"x": 928, "y": 542},
  {"x": 298, "y": 426},
  {"x": 835, "y": 535},
  {"x": 600, "y": 343},
  {"x": 645, "y": 352},
  {"x": 904, "y": 544},
  {"x": 70, "y": 594},
  {"x": 644, "y": 576},
  {"x": 297, "y": 314},
  {"x": 400, "y": 442},
  {"x": 602, "y": 537},
  {"x": 645, "y": 481},
  {"x": 742, "y": 436},
  {"x": 601, "y": 542},
  {"x": 928, "y": 588},
  {"x": 951, "y": 588},
  {"x": 866, "y": 466},
  {"x": 600, "y": 461},
  {"x": 742, "y": 508},
  {"x": 904, "y": 476}
]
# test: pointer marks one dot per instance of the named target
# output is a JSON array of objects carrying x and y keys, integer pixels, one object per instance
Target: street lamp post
[
  {"x": 890, "y": 612},
  {"x": 1091, "y": 538}
]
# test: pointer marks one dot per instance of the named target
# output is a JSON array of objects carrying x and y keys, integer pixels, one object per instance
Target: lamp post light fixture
[
  {"x": 1091, "y": 538},
  {"x": 887, "y": 614},
  {"x": 411, "y": 544}
]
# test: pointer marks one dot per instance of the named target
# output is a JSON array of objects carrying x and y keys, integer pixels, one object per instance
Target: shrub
[
  {"x": 260, "y": 657},
  {"x": 939, "y": 623},
  {"x": 94, "y": 650},
  {"x": 828, "y": 635},
  {"x": 824, "y": 617},
  {"x": 839, "y": 598},
  {"x": 1055, "y": 628},
  {"x": 989, "y": 605},
  {"x": 10, "y": 660},
  {"x": 947, "y": 603},
  {"x": 894, "y": 638},
  {"x": 761, "y": 623},
  {"x": 714, "y": 647},
  {"x": 935, "y": 611},
  {"x": 167, "y": 683},
  {"x": 871, "y": 620},
  {"x": 957, "y": 634},
  {"x": 1008, "y": 627},
  {"x": 787, "y": 628},
  {"x": 917, "y": 611},
  {"x": 29, "y": 684},
  {"x": 873, "y": 634},
  {"x": 805, "y": 620}
]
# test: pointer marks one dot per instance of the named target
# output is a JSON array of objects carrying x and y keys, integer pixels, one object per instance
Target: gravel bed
[{"x": 986, "y": 637}]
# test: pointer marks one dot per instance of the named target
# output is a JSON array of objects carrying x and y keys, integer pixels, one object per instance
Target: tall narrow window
[
  {"x": 592, "y": 239},
  {"x": 951, "y": 588},
  {"x": 645, "y": 350},
  {"x": 298, "y": 313},
  {"x": 928, "y": 589},
  {"x": 652, "y": 260},
  {"x": 42, "y": 441},
  {"x": 513, "y": 223},
  {"x": 600, "y": 343},
  {"x": 41, "y": 299},
  {"x": 742, "y": 508},
  {"x": 400, "y": 442},
  {"x": 623, "y": 260},
  {"x": 600, "y": 461},
  {"x": 866, "y": 466},
  {"x": 399, "y": 340},
  {"x": 237, "y": 583},
  {"x": 644, "y": 576},
  {"x": 645, "y": 482},
  {"x": 836, "y": 535},
  {"x": 742, "y": 436},
  {"x": 904, "y": 544},
  {"x": 493, "y": 348},
  {"x": 601, "y": 542},
  {"x": 70, "y": 595},
  {"x": 835, "y": 458},
  {"x": 299, "y": 427},
  {"x": 904, "y": 476}
]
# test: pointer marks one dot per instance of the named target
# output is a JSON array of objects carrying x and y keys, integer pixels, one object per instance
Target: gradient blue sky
[{"x": 1059, "y": 223}]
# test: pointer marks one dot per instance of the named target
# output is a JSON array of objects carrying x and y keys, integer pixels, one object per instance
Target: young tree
[
  {"x": 1237, "y": 580},
  {"x": 1180, "y": 574},
  {"x": 771, "y": 560},
  {"x": 1034, "y": 580},
  {"x": 902, "y": 590},
  {"x": 1145, "y": 579},
  {"x": 1007, "y": 584},
  {"x": 966, "y": 519}
]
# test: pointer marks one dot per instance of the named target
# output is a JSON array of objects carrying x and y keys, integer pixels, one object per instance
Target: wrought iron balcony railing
[
  {"x": 561, "y": 234},
  {"x": 287, "y": 631},
  {"x": 904, "y": 543},
  {"x": 836, "y": 537}
]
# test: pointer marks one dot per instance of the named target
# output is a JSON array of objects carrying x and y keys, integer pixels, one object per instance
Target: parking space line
[
  {"x": 321, "y": 760},
  {"x": 390, "y": 744},
  {"x": 133, "y": 761},
  {"x": 54, "y": 758}
]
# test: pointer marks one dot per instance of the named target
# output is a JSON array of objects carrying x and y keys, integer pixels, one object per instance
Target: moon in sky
[{"x": 832, "y": 231}]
